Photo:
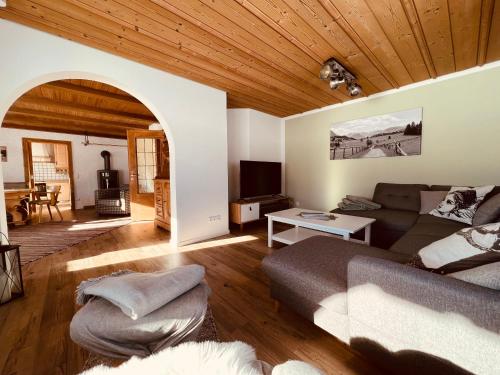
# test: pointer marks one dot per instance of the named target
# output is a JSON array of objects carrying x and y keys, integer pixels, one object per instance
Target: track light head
[
  {"x": 326, "y": 71},
  {"x": 354, "y": 89},
  {"x": 336, "y": 82}
]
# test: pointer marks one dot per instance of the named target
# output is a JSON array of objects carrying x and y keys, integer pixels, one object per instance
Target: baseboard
[{"x": 202, "y": 238}]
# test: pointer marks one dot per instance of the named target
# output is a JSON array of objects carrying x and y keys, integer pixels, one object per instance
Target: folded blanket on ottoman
[
  {"x": 136, "y": 293},
  {"x": 102, "y": 327}
]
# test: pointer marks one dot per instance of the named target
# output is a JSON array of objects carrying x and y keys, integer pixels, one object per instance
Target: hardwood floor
[{"x": 34, "y": 330}]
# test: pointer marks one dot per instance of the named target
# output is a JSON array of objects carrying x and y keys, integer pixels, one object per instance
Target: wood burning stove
[{"x": 107, "y": 178}]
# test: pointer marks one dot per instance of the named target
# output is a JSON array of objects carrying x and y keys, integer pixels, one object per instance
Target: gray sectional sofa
[{"x": 406, "y": 319}]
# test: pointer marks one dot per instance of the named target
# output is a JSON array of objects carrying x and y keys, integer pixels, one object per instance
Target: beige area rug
[{"x": 38, "y": 241}]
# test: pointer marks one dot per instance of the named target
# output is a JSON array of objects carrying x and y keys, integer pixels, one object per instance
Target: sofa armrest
[{"x": 411, "y": 313}]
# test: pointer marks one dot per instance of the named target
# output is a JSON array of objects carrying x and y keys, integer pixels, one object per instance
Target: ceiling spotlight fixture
[
  {"x": 336, "y": 82},
  {"x": 354, "y": 89},
  {"x": 337, "y": 75}
]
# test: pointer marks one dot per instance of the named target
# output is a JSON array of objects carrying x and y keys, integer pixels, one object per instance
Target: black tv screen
[{"x": 258, "y": 178}]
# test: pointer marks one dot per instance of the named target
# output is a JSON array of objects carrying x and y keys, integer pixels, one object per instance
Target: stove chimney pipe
[{"x": 107, "y": 160}]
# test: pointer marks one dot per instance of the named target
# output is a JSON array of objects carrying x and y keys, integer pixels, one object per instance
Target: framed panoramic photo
[{"x": 392, "y": 134}]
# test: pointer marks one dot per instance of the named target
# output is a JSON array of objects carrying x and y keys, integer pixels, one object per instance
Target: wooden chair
[{"x": 46, "y": 196}]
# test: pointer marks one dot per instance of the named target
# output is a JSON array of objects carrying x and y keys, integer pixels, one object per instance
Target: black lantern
[{"x": 11, "y": 279}]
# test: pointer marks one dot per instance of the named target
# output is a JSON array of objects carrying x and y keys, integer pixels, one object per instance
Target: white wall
[
  {"x": 251, "y": 135},
  {"x": 86, "y": 160},
  {"x": 193, "y": 116},
  {"x": 460, "y": 141}
]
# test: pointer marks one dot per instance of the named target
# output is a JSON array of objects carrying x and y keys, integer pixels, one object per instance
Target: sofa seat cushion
[
  {"x": 388, "y": 219},
  {"x": 316, "y": 268},
  {"x": 436, "y": 226},
  {"x": 399, "y": 196},
  {"x": 427, "y": 230}
]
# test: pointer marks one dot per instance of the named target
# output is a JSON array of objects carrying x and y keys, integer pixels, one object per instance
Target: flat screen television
[{"x": 258, "y": 178}]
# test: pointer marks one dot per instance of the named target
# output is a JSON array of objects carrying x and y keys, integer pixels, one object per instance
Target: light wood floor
[{"x": 34, "y": 336}]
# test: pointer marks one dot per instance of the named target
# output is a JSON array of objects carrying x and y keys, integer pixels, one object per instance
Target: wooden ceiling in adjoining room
[
  {"x": 79, "y": 107},
  {"x": 267, "y": 53}
]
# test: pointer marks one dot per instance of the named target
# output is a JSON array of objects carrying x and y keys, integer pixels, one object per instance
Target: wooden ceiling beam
[
  {"x": 418, "y": 32},
  {"x": 435, "y": 20},
  {"x": 64, "y": 116},
  {"x": 30, "y": 102},
  {"x": 94, "y": 24},
  {"x": 391, "y": 17},
  {"x": 487, "y": 10},
  {"x": 28, "y": 120},
  {"x": 52, "y": 129},
  {"x": 93, "y": 93},
  {"x": 465, "y": 20}
]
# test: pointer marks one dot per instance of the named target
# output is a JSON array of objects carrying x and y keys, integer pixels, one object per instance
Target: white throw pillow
[
  {"x": 461, "y": 203},
  {"x": 465, "y": 249}
]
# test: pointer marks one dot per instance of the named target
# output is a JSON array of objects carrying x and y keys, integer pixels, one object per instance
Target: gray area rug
[{"x": 40, "y": 240}]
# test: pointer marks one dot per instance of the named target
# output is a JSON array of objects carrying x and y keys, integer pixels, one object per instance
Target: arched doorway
[{"x": 96, "y": 118}]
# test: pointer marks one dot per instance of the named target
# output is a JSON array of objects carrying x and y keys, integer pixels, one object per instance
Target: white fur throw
[{"x": 207, "y": 358}]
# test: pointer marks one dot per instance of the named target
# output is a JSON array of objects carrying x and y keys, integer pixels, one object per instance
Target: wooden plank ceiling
[
  {"x": 267, "y": 53},
  {"x": 79, "y": 107}
]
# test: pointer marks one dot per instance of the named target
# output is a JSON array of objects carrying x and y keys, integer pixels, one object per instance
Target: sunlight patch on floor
[
  {"x": 98, "y": 224},
  {"x": 148, "y": 252}
]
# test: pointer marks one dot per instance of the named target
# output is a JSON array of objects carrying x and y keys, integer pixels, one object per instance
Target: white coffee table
[{"x": 343, "y": 226}]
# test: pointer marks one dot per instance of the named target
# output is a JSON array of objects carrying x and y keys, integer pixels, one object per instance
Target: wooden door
[
  {"x": 143, "y": 156},
  {"x": 68, "y": 163}
]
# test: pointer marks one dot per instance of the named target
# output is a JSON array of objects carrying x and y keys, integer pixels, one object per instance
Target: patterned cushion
[
  {"x": 461, "y": 203},
  {"x": 465, "y": 249}
]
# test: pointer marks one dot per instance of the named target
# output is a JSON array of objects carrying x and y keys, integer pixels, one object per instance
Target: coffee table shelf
[
  {"x": 297, "y": 234},
  {"x": 342, "y": 226}
]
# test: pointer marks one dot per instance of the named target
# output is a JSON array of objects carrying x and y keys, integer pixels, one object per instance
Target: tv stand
[{"x": 248, "y": 210}]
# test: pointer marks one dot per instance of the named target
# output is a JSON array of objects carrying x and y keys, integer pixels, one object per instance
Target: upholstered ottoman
[
  {"x": 101, "y": 327},
  {"x": 136, "y": 314}
]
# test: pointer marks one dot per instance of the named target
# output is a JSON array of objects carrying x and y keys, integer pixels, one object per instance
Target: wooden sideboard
[
  {"x": 162, "y": 203},
  {"x": 246, "y": 211}
]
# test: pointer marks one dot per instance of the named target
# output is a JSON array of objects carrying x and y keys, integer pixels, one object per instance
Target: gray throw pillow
[
  {"x": 487, "y": 275},
  {"x": 429, "y": 200},
  {"x": 488, "y": 212}
]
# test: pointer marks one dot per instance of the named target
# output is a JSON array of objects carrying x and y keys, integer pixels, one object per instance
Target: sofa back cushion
[
  {"x": 399, "y": 196},
  {"x": 495, "y": 191}
]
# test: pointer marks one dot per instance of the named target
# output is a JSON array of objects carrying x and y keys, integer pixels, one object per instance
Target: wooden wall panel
[
  {"x": 266, "y": 54},
  {"x": 490, "y": 38}
]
